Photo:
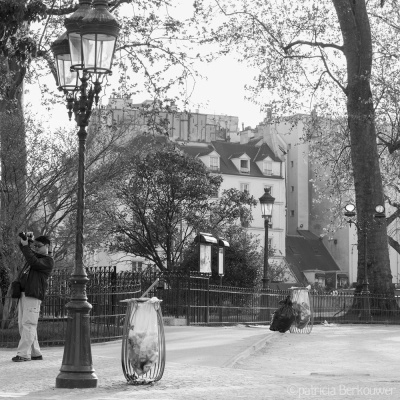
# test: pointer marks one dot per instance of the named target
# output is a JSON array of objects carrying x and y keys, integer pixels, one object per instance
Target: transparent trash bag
[
  {"x": 302, "y": 308},
  {"x": 143, "y": 341}
]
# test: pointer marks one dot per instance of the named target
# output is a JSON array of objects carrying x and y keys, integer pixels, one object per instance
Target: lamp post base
[
  {"x": 76, "y": 380},
  {"x": 77, "y": 370}
]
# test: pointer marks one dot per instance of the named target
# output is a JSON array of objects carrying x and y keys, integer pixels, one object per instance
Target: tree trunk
[
  {"x": 13, "y": 169},
  {"x": 357, "y": 42}
]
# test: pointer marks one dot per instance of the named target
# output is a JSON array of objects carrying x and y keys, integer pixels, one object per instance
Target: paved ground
[{"x": 333, "y": 362}]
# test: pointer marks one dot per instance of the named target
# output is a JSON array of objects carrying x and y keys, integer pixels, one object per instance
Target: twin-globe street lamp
[
  {"x": 267, "y": 203},
  {"x": 84, "y": 53},
  {"x": 351, "y": 213}
]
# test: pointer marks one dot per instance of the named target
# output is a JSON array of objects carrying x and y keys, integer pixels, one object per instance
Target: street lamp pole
[
  {"x": 265, "y": 279},
  {"x": 84, "y": 53},
  {"x": 267, "y": 203}
]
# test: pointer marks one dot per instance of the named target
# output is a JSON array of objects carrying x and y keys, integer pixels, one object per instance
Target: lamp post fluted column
[{"x": 265, "y": 279}]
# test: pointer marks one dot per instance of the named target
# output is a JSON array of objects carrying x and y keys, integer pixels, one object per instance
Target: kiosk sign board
[
  {"x": 221, "y": 260},
  {"x": 221, "y": 256},
  {"x": 205, "y": 240},
  {"x": 205, "y": 258}
]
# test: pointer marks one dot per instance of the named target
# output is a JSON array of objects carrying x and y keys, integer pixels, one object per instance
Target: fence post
[
  {"x": 220, "y": 299},
  {"x": 113, "y": 293},
  {"x": 208, "y": 300},
  {"x": 188, "y": 300},
  {"x": 177, "y": 298}
]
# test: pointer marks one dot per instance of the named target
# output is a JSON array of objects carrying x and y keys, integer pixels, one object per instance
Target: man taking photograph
[{"x": 33, "y": 279}]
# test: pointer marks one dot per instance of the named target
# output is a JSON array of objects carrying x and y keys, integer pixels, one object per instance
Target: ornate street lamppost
[
  {"x": 84, "y": 53},
  {"x": 267, "y": 203},
  {"x": 350, "y": 212}
]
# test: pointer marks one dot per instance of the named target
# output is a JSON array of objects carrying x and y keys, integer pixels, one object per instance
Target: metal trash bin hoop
[{"x": 157, "y": 370}]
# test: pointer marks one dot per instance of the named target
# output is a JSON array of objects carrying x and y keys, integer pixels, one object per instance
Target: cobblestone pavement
[{"x": 342, "y": 362}]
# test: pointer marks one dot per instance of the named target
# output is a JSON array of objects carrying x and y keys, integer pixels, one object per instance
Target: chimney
[
  {"x": 269, "y": 113},
  {"x": 244, "y": 137},
  {"x": 270, "y": 138},
  {"x": 242, "y": 126}
]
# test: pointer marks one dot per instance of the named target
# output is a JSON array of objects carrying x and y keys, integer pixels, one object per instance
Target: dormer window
[
  {"x": 214, "y": 163},
  {"x": 267, "y": 167},
  {"x": 244, "y": 166}
]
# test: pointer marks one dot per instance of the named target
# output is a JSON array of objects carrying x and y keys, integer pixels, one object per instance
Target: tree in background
[
  {"x": 165, "y": 198},
  {"x": 244, "y": 261},
  {"x": 152, "y": 44},
  {"x": 50, "y": 195},
  {"x": 320, "y": 55}
]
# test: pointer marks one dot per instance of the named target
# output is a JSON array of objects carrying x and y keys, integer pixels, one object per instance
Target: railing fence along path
[{"x": 190, "y": 298}]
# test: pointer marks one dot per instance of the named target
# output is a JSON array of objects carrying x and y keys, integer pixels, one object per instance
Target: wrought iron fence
[
  {"x": 350, "y": 307},
  {"x": 192, "y": 299},
  {"x": 104, "y": 290}
]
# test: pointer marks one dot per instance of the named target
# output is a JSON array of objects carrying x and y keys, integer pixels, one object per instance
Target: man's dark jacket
[{"x": 35, "y": 283}]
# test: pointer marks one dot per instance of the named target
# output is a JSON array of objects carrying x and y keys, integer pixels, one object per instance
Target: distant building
[
  {"x": 189, "y": 126},
  {"x": 250, "y": 167},
  {"x": 305, "y": 218}
]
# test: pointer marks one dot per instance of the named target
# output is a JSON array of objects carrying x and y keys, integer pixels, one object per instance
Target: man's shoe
[
  {"x": 37, "y": 358},
  {"x": 20, "y": 359}
]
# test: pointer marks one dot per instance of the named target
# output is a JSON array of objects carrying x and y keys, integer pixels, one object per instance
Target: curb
[{"x": 261, "y": 343}]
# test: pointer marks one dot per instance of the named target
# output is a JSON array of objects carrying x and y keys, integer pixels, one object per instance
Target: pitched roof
[
  {"x": 306, "y": 252},
  {"x": 197, "y": 151},
  {"x": 238, "y": 154},
  {"x": 228, "y": 150}
]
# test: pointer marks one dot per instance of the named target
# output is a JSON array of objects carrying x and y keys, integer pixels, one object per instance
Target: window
[
  {"x": 320, "y": 280},
  {"x": 244, "y": 166},
  {"x": 244, "y": 221},
  {"x": 215, "y": 194},
  {"x": 292, "y": 188},
  {"x": 245, "y": 187},
  {"x": 267, "y": 167},
  {"x": 137, "y": 266},
  {"x": 292, "y": 213},
  {"x": 342, "y": 282},
  {"x": 214, "y": 163},
  {"x": 292, "y": 164}
]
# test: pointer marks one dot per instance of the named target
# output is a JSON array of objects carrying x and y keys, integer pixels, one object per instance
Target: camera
[{"x": 26, "y": 236}]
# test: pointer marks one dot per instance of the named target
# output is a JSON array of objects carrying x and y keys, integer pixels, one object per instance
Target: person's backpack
[{"x": 283, "y": 317}]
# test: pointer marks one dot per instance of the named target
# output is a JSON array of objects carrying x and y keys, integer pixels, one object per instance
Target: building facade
[
  {"x": 249, "y": 167},
  {"x": 188, "y": 126}
]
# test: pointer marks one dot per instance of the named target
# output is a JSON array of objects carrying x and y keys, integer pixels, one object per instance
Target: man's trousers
[{"x": 28, "y": 316}]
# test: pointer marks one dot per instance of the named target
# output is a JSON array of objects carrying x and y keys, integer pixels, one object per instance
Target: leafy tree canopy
[
  {"x": 337, "y": 57},
  {"x": 165, "y": 198}
]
